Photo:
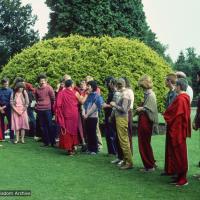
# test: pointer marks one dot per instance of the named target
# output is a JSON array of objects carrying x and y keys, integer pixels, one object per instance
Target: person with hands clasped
[{"x": 19, "y": 103}]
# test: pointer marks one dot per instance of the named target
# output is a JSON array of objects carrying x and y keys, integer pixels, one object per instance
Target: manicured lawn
[{"x": 52, "y": 175}]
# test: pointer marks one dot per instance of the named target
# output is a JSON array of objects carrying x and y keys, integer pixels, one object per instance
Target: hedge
[{"x": 98, "y": 57}]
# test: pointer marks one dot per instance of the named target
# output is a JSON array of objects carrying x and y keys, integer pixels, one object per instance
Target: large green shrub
[{"x": 99, "y": 57}]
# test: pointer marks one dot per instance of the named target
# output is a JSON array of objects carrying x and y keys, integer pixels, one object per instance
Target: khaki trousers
[{"x": 122, "y": 132}]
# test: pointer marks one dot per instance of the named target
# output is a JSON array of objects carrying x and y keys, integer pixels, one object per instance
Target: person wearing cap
[
  {"x": 122, "y": 106},
  {"x": 19, "y": 103},
  {"x": 5, "y": 108},
  {"x": 147, "y": 121},
  {"x": 177, "y": 117},
  {"x": 189, "y": 89}
]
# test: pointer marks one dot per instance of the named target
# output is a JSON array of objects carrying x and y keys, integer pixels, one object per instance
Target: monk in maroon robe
[
  {"x": 177, "y": 117},
  {"x": 67, "y": 117}
]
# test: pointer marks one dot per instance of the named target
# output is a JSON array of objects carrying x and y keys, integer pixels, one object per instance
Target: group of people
[{"x": 77, "y": 109}]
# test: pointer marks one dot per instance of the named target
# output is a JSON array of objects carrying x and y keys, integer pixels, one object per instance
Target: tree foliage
[
  {"x": 97, "y": 18},
  {"x": 16, "y": 28},
  {"x": 189, "y": 62},
  {"x": 99, "y": 57}
]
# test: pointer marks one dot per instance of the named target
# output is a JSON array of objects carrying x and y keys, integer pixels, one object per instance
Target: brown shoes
[{"x": 126, "y": 166}]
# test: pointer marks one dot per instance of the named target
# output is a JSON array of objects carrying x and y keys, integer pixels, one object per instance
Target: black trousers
[
  {"x": 7, "y": 114},
  {"x": 91, "y": 127}
]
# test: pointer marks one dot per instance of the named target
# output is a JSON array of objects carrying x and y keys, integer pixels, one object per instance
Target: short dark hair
[
  {"x": 108, "y": 79},
  {"x": 4, "y": 80},
  {"x": 182, "y": 82},
  {"x": 93, "y": 85},
  {"x": 19, "y": 85},
  {"x": 113, "y": 81},
  {"x": 41, "y": 76},
  {"x": 68, "y": 83},
  {"x": 18, "y": 79},
  {"x": 128, "y": 85},
  {"x": 198, "y": 73}
]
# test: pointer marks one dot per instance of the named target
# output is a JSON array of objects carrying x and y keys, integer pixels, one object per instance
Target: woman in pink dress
[{"x": 19, "y": 119}]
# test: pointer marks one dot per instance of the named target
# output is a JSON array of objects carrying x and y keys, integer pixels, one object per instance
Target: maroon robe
[
  {"x": 66, "y": 111},
  {"x": 169, "y": 164},
  {"x": 177, "y": 117}
]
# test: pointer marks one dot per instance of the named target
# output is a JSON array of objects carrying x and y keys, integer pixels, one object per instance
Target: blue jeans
[{"x": 45, "y": 119}]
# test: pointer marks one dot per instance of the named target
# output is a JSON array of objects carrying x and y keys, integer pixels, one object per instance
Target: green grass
[{"x": 52, "y": 175}]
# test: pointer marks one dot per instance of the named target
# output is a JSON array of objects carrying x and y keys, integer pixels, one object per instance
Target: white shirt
[
  {"x": 130, "y": 95},
  {"x": 189, "y": 91}
]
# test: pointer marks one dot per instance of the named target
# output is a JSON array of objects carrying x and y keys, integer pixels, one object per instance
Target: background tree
[
  {"x": 16, "y": 28},
  {"x": 190, "y": 64},
  {"x": 181, "y": 64},
  {"x": 113, "y": 18}
]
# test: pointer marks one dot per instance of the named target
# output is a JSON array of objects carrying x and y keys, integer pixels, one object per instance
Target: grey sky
[{"x": 176, "y": 22}]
